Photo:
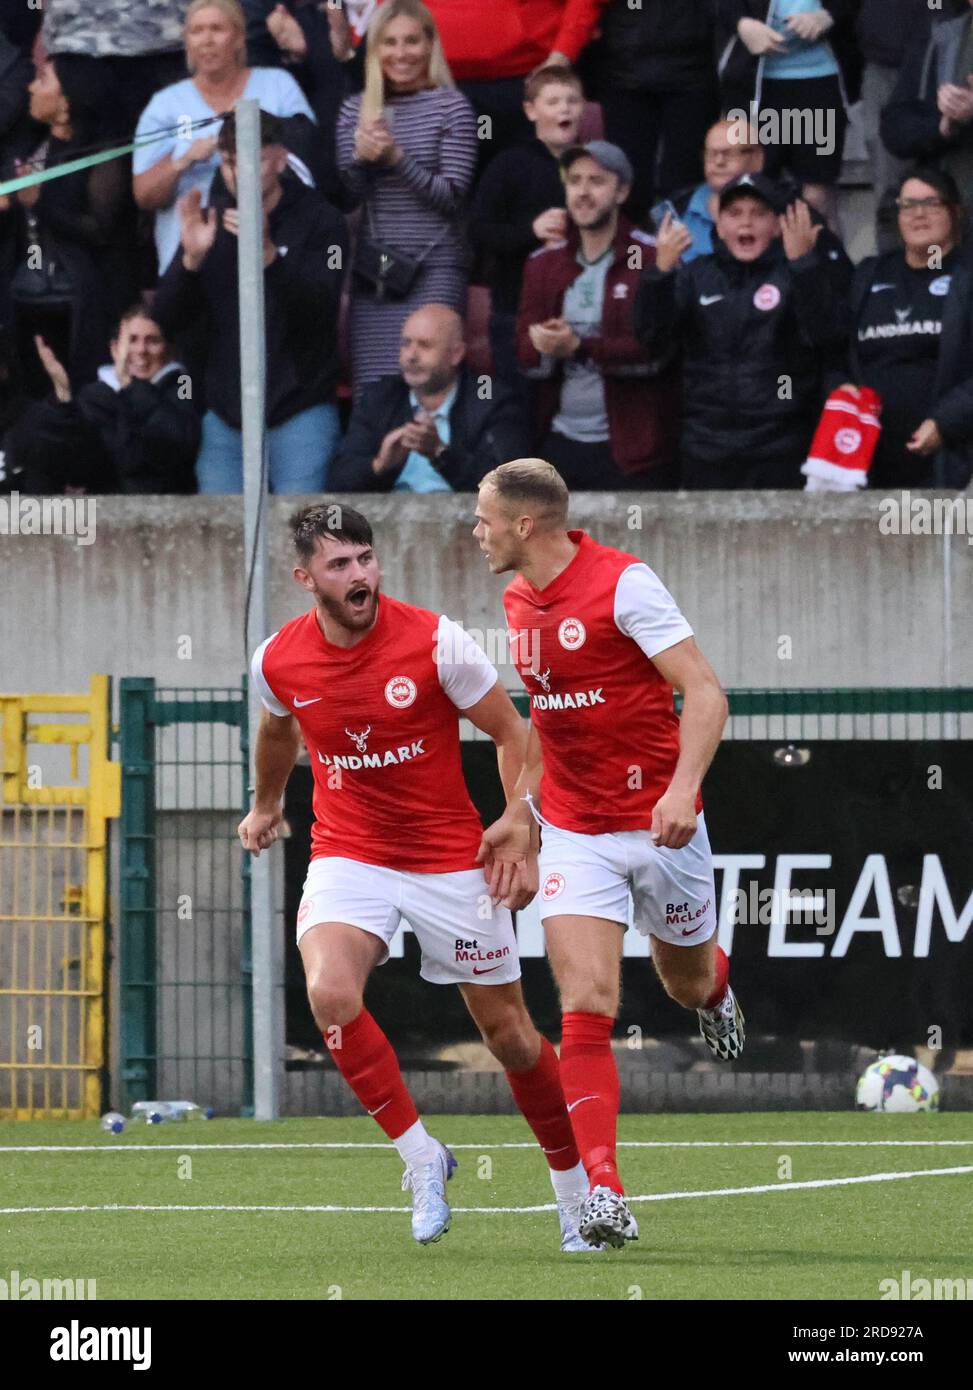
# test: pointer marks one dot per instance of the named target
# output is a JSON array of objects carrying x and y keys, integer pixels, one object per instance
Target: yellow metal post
[{"x": 46, "y": 935}]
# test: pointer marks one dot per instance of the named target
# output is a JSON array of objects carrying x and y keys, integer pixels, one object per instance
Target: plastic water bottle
[
  {"x": 157, "y": 1112},
  {"x": 113, "y": 1123},
  {"x": 189, "y": 1110}
]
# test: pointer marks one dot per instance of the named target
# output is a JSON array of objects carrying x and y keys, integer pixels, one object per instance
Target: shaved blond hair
[{"x": 535, "y": 485}]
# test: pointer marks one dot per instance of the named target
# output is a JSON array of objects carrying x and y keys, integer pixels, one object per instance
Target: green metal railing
[
  {"x": 184, "y": 913},
  {"x": 185, "y": 966},
  {"x": 882, "y": 712}
]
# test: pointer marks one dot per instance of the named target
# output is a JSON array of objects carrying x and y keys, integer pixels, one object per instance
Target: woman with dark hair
[
  {"x": 67, "y": 228},
  {"x": 406, "y": 152},
  {"x": 912, "y": 339}
]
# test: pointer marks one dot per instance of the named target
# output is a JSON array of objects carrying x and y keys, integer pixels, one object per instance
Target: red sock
[
  {"x": 590, "y": 1080},
  {"x": 722, "y": 975},
  {"x": 541, "y": 1100},
  {"x": 364, "y": 1056}
]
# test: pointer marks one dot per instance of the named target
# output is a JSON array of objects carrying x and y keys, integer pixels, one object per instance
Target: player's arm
[
  {"x": 704, "y": 713},
  {"x": 508, "y": 860},
  {"x": 514, "y": 837},
  {"x": 278, "y": 746}
]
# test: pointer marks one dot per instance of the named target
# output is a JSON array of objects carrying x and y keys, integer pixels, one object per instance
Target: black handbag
[
  {"x": 49, "y": 282},
  {"x": 382, "y": 269}
]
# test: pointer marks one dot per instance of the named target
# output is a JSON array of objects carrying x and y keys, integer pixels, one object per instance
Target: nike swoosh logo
[
  {"x": 877, "y": 289},
  {"x": 707, "y": 299},
  {"x": 692, "y": 930},
  {"x": 299, "y": 704},
  {"x": 580, "y": 1102},
  {"x": 381, "y": 1107},
  {"x": 478, "y": 971}
]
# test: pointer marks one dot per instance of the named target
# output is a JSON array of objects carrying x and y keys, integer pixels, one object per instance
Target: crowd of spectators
[{"x": 606, "y": 233}]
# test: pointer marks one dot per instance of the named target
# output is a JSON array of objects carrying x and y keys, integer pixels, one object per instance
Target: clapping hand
[
  {"x": 554, "y": 338},
  {"x": 760, "y": 38},
  {"x": 799, "y": 233},
  {"x": 374, "y": 143},
  {"x": 197, "y": 229},
  {"x": 286, "y": 33},
  {"x": 55, "y": 370}
]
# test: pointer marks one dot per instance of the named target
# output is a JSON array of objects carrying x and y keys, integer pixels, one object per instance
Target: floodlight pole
[{"x": 267, "y": 1038}]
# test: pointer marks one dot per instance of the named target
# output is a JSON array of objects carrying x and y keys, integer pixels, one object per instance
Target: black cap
[{"x": 754, "y": 186}]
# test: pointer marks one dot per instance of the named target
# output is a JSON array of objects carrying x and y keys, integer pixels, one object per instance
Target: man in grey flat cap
[{"x": 604, "y": 408}]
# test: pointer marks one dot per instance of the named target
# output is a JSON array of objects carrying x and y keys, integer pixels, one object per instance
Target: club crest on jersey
[
  {"x": 553, "y": 887},
  {"x": 360, "y": 740},
  {"x": 400, "y": 692},
  {"x": 543, "y": 677},
  {"x": 572, "y": 634}
]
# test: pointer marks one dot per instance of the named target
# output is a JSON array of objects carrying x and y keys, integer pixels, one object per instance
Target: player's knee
[
  {"x": 513, "y": 1040},
  {"x": 590, "y": 997},
  {"x": 691, "y": 992},
  {"x": 333, "y": 1002}
]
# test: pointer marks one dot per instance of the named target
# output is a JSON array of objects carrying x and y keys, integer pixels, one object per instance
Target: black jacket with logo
[
  {"x": 743, "y": 327},
  {"x": 899, "y": 320}
]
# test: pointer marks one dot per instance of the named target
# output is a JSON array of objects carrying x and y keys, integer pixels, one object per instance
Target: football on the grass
[{"x": 899, "y": 1085}]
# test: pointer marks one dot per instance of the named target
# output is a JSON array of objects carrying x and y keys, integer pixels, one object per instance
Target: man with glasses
[{"x": 730, "y": 150}]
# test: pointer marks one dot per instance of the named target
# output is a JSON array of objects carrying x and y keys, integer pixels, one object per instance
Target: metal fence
[
  {"x": 58, "y": 792},
  {"x": 184, "y": 915}
]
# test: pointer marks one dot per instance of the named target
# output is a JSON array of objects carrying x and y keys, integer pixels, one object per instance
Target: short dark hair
[
  {"x": 138, "y": 311},
  {"x": 939, "y": 179},
  {"x": 271, "y": 132},
  {"x": 549, "y": 75},
  {"x": 327, "y": 521}
]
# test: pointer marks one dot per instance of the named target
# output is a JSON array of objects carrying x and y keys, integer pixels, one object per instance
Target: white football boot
[
  {"x": 722, "y": 1028},
  {"x": 427, "y": 1183},
  {"x": 569, "y": 1215}
]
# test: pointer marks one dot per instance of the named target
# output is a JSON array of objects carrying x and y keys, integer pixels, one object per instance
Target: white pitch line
[
  {"x": 477, "y": 1148},
  {"x": 491, "y": 1211}
]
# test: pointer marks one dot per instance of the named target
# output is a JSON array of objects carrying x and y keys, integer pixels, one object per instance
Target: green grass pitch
[{"x": 836, "y": 1241}]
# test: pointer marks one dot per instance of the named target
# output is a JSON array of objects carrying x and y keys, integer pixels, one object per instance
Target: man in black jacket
[
  {"x": 886, "y": 30},
  {"x": 756, "y": 321},
  {"x": 304, "y": 252},
  {"x": 433, "y": 428},
  {"x": 654, "y": 72},
  {"x": 930, "y": 115}
]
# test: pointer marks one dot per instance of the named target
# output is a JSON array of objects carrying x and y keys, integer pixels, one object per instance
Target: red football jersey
[
  {"x": 604, "y": 714},
  {"x": 381, "y": 724}
]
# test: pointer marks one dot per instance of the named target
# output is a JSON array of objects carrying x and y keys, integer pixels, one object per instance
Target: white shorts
[
  {"x": 464, "y": 938},
  {"x": 673, "y": 892}
]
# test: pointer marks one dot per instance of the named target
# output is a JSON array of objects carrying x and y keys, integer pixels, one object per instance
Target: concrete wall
[{"x": 860, "y": 607}]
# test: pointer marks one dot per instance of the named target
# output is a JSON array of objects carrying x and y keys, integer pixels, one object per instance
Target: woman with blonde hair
[
  {"x": 185, "y": 157},
  {"x": 406, "y": 152}
]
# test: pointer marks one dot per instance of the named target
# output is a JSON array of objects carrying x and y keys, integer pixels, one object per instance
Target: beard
[{"x": 352, "y": 617}]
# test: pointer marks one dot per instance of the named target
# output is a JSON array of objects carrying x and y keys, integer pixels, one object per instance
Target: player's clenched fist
[
  {"x": 260, "y": 829},
  {"x": 674, "y": 820}
]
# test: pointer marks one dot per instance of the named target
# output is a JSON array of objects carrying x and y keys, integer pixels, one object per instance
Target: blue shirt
[
  {"x": 801, "y": 59},
  {"x": 697, "y": 218},
  {"x": 175, "y": 108},
  {"x": 418, "y": 474}
]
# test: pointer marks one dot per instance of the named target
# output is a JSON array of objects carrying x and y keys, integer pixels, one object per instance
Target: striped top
[{"x": 423, "y": 197}]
